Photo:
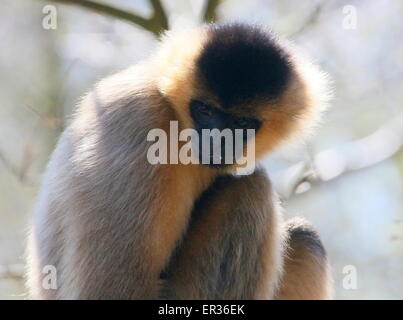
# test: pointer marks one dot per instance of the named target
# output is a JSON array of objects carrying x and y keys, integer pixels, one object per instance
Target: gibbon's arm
[
  {"x": 235, "y": 250},
  {"x": 106, "y": 218},
  {"x": 307, "y": 273},
  {"x": 232, "y": 249}
]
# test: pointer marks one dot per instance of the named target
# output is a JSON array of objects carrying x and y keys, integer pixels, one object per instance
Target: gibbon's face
[{"x": 238, "y": 76}]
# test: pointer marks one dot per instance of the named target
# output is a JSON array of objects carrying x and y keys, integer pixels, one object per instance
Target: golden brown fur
[{"x": 110, "y": 222}]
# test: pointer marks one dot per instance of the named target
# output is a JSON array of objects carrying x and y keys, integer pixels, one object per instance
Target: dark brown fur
[{"x": 306, "y": 268}]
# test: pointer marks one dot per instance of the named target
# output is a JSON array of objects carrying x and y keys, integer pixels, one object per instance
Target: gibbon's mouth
[
  {"x": 217, "y": 166},
  {"x": 219, "y": 157},
  {"x": 215, "y": 162}
]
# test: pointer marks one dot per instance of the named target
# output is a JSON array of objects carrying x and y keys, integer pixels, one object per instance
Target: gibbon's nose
[{"x": 216, "y": 148}]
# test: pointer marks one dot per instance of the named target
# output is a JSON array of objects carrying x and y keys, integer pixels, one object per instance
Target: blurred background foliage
[{"x": 347, "y": 179}]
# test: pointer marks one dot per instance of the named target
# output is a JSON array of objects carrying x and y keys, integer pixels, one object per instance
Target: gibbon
[{"x": 115, "y": 226}]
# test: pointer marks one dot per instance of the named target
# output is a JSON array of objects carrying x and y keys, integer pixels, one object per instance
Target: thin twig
[
  {"x": 49, "y": 120},
  {"x": 309, "y": 21},
  {"x": 9, "y": 166}
]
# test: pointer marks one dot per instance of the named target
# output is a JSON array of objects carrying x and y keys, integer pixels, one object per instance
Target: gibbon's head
[{"x": 239, "y": 76}]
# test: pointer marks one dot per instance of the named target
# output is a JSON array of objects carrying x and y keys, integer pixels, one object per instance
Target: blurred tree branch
[
  {"x": 210, "y": 10},
  {"x": 331, "y": 164},
  {"x": 157, "y": 23}
]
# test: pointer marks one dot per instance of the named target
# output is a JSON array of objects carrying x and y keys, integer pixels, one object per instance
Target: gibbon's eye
[
  {"x": 203, "y": 109},
  {"x": 246, "y": 123}
]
